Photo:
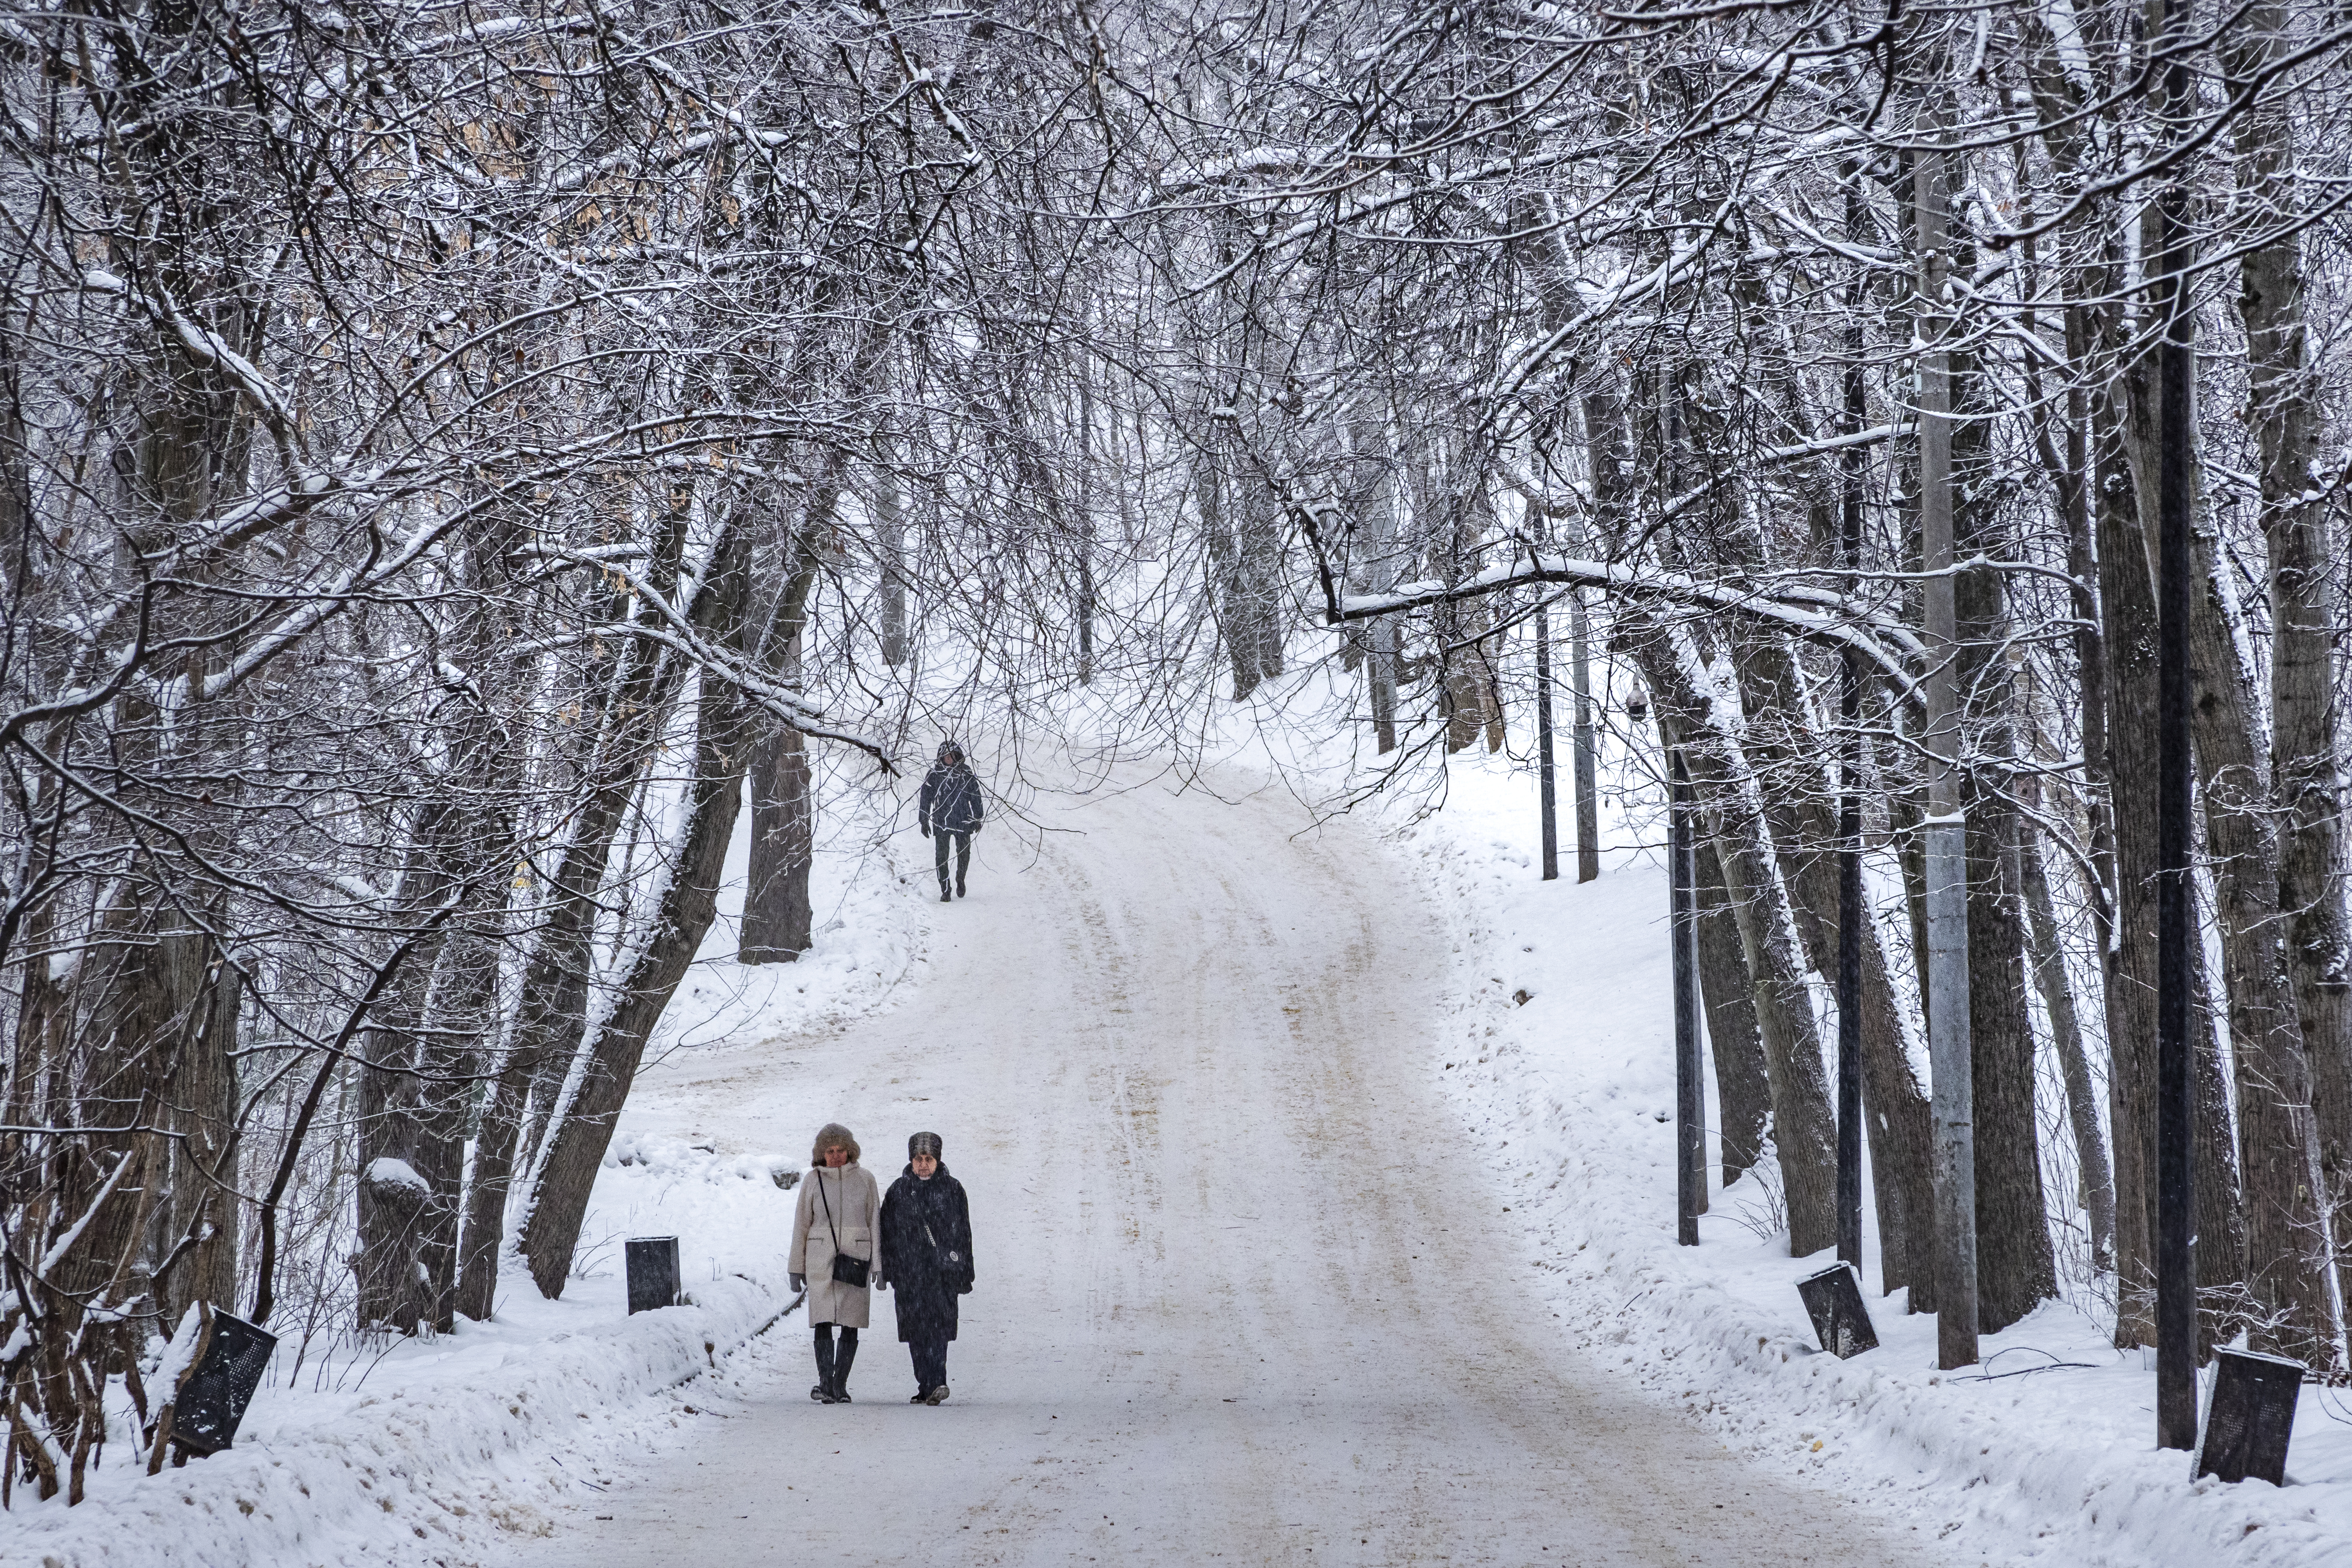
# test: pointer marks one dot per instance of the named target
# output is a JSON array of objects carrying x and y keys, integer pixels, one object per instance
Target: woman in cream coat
[{"x": 840, "y": 1211}]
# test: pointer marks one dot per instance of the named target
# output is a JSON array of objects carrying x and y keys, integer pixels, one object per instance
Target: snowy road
[{"x": 1240, "y": 1297}]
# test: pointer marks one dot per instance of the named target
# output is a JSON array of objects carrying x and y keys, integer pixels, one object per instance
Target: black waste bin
[
  {"x": 211, "y": 1404},
  {"x": 652, "y": 1272},
  {"x": 1834, "y": 1301},
  {"x": 2249, "y": 1416}
]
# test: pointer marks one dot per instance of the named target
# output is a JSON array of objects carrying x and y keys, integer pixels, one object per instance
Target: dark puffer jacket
[
  {"x": 927, "y": 1251},
  {"x": 950, "y": 799}
]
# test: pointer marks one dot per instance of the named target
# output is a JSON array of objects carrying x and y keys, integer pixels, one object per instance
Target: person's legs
[
  {"x": 921, "y": 1364},
  {"x": 930, "y": 1357},
  {"x": 963, "y": 859},
  {"x": 823, "y": 1392},
  {"x": 939, "y": 849}
]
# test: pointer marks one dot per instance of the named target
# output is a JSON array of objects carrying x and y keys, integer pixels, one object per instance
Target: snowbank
[
  {"x": 435, "y": 1450},
  {"x": 445, "y": 1442},
  {"x": 2043, "y": 1453}
]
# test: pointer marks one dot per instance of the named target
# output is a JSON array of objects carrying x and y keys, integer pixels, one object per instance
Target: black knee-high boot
[
  {"x": 841, "y": 1362},
  {"x": 823, "y": 1392}
]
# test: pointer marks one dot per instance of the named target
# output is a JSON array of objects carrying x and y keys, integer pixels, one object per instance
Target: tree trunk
[
  {"x": 689, "y": 901},
  {"x": 2127, "y": 606},
  {"x": 1798, "y": 807},
  {"x": 778, "y": 912},
  {"x": 1743, "y": 1089},
  {"x": 2016, "y": 1270},
  {"x": 2050, "y": 977},
  {"x": 890, "y": 549},
  {"x": 1588, "y": 793},
  {"x": 1804, "y": 1128},
  {"x": 2305, "y": 786}
]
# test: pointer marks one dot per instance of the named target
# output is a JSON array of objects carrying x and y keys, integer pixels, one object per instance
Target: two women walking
[{"x": 847, "y": 1238}]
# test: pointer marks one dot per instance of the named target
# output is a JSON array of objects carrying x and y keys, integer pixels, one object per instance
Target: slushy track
[{"x": 1243, "y": 1296}]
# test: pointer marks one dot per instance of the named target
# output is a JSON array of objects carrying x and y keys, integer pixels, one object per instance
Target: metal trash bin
[
  {"x": 1834, "y": 1301},
  {"x": 652, "y": 1272},
  {"x": 2249, "y": 1416},
  {"x": 211, "y": 1404}
]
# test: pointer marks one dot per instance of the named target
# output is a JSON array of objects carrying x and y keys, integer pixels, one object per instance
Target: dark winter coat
[
  {"x": 927, "y": 1251},
  {"x": 951, "y": 800}
]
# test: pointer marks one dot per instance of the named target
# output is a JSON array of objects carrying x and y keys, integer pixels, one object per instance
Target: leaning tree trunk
[
  {"x": 1799, "y": 809},
  {"x": 552, "y": 1001},
  {"x": 1803, "y": 1126},
  {"x": 559, "y": 1200},
  {"x": 1743, "y": 1089}
]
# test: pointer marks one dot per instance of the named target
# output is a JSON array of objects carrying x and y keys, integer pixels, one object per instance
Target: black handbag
[{"x": 846, "y": 1270}]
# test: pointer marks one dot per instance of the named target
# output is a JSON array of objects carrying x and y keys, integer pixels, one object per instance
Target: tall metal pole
[
  {"x": 1850, "y": 910},
  {"x": 1579, "y": 676},
  {"x": 1544, "y": 779},
  {"x": 1953, "y": 1108},
  {"x": 1690, "y": 1108},
  {"x": 2176, "y": 1257}
]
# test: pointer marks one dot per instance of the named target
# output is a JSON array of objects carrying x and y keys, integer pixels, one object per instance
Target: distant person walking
[
  {"x": 949, "y": 808},
  {"x": 927, "y": 1260},
  {"x": 833, "y": 1230}
]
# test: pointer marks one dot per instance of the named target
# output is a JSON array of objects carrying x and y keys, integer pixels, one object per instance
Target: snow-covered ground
[
  {"x": 2045, "y": 1453},
  {"x": 433, "y": 1450},
  {"x": 1301, "y": 1239}
]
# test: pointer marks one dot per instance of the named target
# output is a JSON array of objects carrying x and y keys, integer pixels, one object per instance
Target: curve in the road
[{"x": 1244, "y": 1295}]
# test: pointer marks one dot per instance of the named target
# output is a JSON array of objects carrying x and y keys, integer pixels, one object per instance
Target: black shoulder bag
[{"x": 846, "y": 1270}]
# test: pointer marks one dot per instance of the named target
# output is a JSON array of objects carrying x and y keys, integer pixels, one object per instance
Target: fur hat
[
  {"x": 923, "y": 1144},
  {"x": 829, "y": 1135}
]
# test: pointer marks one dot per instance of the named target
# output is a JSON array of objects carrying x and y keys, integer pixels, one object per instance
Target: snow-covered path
[{"x": 1243, "y": 1293}]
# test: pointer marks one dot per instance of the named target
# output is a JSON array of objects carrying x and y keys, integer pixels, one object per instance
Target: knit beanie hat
[{"x": 923, "y": 1144}]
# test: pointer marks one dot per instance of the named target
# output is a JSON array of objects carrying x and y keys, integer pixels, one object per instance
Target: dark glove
[
  {"x": 800, "y": 1281},
  {"x": 925, "y": 829},
  {"x": 964, "y": 1288}
]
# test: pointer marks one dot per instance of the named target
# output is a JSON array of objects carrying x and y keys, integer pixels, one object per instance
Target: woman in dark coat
[{"x": 927, "y": 1260}]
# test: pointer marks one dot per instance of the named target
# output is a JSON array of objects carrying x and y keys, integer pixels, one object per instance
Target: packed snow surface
[{"x": 1247, "y": 1290}]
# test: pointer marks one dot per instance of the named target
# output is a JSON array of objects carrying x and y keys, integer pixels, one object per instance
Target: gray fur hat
[
  {"x": 830, "y": 1135},
  {"x": 924, "y": 1143}
]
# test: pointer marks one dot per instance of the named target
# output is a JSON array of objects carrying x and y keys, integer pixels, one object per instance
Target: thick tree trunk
[
  {"x": 777, "y": 909},
  {"x": 2016, "y": 1270},
  {"x": 2127, "y": 608},
  {"x": 778, "y": 912},
  {"x": 2306, "y": 785}
]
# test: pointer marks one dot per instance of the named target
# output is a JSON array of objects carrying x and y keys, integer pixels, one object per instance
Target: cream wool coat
[{"x": 857, "y": 1202}]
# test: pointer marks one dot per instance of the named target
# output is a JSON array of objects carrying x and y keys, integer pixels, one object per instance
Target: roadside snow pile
[
  {"x": 2043, "y": 1453},
  {"x": 445, "y": 1442}
]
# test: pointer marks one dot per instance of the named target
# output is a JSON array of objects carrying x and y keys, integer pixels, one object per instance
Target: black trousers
[
  {"x": 930, "y": 1357},
  {"x": 940, "y": 838}
]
